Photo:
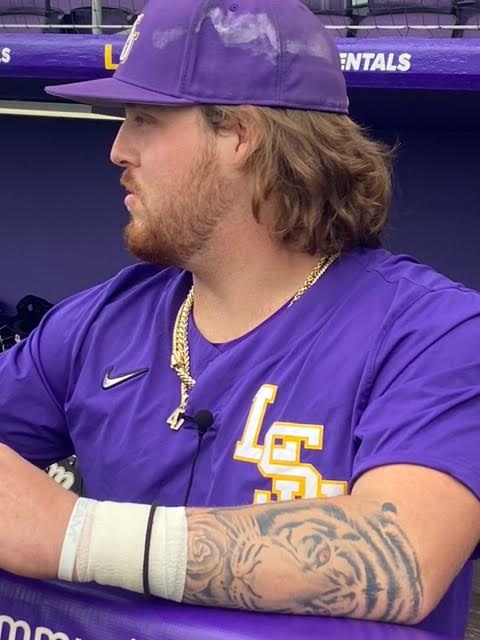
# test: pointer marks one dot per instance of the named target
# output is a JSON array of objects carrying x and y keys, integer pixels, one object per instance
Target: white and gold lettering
[
  {"x": 279, "y": 458},
  {"x": 247, "y": 448}
]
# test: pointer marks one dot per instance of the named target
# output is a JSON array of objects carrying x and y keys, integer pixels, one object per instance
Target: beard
[{"x": 177, "y": 224}]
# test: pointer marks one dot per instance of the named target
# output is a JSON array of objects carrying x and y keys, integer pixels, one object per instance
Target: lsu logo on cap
[{"x": 132, "y": 38}]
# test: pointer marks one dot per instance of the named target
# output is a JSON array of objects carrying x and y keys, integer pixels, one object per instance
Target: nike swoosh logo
[{"x": 110, "y": 383}]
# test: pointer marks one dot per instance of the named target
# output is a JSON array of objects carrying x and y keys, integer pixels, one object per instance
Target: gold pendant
[{"x": 175, "y": 421}]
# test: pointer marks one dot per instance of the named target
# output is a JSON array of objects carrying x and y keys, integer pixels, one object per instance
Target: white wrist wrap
[
  {"x": 112, "y": 543},
  {"x": 72, "y": 540},
  {"x": 168, "y": 553}
]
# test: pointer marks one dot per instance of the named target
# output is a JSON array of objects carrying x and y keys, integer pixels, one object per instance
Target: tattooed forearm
[{"x": 306, "y": 557}]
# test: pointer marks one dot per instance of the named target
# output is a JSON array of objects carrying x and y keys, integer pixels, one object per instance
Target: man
[{"x": 271, "y": 357}]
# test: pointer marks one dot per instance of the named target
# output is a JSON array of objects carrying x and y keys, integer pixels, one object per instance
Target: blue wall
[
  {"x": 62, "y": 206},
  {"x": 436, "y": 213}
]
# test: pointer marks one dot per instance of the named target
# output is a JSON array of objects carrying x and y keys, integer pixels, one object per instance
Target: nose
[{"x": 124, "y": 152}]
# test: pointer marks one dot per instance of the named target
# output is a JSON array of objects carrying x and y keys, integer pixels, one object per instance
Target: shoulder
[
  {"x": 404, "y": 311},
  {"x": 403, "y": 282},
  {"x": 429, "y": 321},
  {"x": 136, "y": 290},
  {"x": 136, "y": 280},
  {"x": 139, "y": 280},
  {"x": 399, "y": 270}
]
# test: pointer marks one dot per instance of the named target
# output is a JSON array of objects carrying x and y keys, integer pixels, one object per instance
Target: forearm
[
  {"x": 346, "y": 556},
  {"x": 337, "y": 557},
  {"x": 387, "y": 552}
]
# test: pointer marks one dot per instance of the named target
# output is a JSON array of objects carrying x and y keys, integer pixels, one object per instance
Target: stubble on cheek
[{"x": 176, "y": 221}]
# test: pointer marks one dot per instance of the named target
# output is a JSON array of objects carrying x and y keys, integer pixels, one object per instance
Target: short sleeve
[
  {"x": 35, "y": 378},
  {"x": 423, "y": 404}
]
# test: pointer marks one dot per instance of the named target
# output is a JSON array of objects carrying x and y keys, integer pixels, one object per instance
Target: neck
[{"x": 235, "y": 293}]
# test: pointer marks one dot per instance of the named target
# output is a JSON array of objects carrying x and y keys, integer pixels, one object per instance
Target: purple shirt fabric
[{"x": 377, "y": 364}]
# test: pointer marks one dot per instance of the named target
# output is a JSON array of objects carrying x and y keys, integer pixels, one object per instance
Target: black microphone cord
[{"x": 203, "y": 420}]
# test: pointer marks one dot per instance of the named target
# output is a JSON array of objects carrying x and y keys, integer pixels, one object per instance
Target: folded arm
[
  {"x": 338, "y": 557},
  {"x": 388, "y": 552}
]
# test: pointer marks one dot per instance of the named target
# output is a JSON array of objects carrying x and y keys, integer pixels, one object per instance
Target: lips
[{"x": 128, "y": 183}]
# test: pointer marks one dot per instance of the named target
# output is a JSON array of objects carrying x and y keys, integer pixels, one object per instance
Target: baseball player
[{"x": 270, "y": 411}]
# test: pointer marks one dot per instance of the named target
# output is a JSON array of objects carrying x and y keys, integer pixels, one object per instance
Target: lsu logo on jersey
[
  {"x": 132, "y": 38},
  {"x": 279, "y": 457}
]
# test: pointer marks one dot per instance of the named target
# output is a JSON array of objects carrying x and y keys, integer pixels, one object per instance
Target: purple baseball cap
[{"x": 261, "y": 52}]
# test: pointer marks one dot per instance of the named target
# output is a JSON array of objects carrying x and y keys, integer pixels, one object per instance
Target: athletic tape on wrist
[
  {"x": 111, "y": 550},
  {"x": 72, "y": 539},
  {"x": 168, "y": 553}
]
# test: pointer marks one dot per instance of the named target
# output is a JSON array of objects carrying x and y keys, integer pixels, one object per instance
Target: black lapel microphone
[{"x": 203, "y": 420}]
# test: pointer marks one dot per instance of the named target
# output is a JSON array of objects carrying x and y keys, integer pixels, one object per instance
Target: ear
[
  {"x": 247, "y": 136},
  {"x": 241, "y": 132},
  {"x": 239, "y": 138}
]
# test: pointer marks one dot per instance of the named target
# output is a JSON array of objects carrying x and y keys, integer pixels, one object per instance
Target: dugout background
[{"x": 62, "y": 206}]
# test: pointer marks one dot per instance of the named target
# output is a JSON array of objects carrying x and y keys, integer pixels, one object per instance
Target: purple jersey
[{"x": 377, "y": 364}]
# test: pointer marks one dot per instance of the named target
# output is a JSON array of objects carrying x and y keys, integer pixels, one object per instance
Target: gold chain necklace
[{"x": 180, "y": 360}]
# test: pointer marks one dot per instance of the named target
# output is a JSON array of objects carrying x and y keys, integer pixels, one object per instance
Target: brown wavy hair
[{"x": 331, "y": 182}]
